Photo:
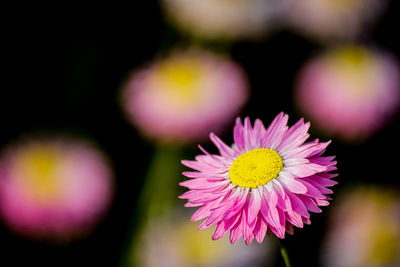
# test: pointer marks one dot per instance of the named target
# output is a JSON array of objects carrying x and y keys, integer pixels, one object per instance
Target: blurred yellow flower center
[
  {"x": 344, "y": 3},
  {"x": 180, "y": 78},
  {"x": 352, "y": 56},
  {"x": 36, "y": 171},
  {"x": 383, "y": 244},
  {"x": 255, "y": 167},
  {"x": 196, "y": 247},
  {"x": 356, "y": 68},
  {"x": 233, "y": 1}
]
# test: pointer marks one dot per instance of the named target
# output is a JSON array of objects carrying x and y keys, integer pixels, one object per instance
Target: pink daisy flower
[
  {"x": 267, "y": 181},
  {"x": 55, "y": 189}
]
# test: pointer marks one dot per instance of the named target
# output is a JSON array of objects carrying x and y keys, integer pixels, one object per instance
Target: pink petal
[
  {"x": 247, "y": 227},
  {"x": 319, "y": 148},
  {"x": 206, "y": 197},
  {"x": 224, "y": 226},
  {"x": 249, "y": 239},
  {"x": 272, "y": 216},
  {"x": 319, "y": 179},
  {"x": 240, "y": 200},
  {"x": 283, "y": 201},
  {"x": 320, "y": 187},
  {"x": 312, "y": 191},
  {"x": 247, "y": 131},
  {"x": 203, "y": 175},
  {"x": 204, "y": 183},
  {"x": 225, "y": 150},
  {"x": 191, "y": 205},
  {"x": 293, "y": 162},
  {"x": 291, "y": 184},
  {"x": 294, "y": 218},
  {"x": 214, "y": 161},
  {"x": 325, "y": 161},
  {"x": 298, "y": 205},
  {"x": 203, "y": 226},
  {"x": 310, "y": 204},
  {"x": 295, "y": 136},
  {"x": 254, "y": 205},
  {"x": 321, "y": 202},
  {"x": 218, "y": 213},
  {"x": 257, "y": 133},
  {"x": 306, "y": 221},
  {"x": 205, "y": 211},
  {"x": 238, "y": 135},
  {"x": 274, "y": 130},
  {"x": 289, "y": 228},
  {"x": 260, "y": 230},
  {"x": 300, "y": 171},
  {"x": 236, "y": 231},
  {"x": 279, "y": 230},
  {"x": 299, "y": 152}
]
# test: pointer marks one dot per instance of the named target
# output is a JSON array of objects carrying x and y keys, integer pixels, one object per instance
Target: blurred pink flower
[
  {"x": 333, "y": 19},
  {"x": 267, "y": 180},
  {"x": 350, "y": 91},
  {"x": 185, "y": 96},
  {"x": 364, "y": 229},
  {"x": 53, "y": 188},
  {"x": 221, "y": 19},
  {"x": 172, "y": 241}
]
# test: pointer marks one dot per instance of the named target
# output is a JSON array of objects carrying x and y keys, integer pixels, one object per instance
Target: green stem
[
  {"x": 160, "y": 189},
  {"x": 284, "y": 254},
  {"x": 158, "y": 194}
]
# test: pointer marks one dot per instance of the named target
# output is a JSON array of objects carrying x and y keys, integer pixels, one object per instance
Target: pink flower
[
  {"x": 53, "y": 189},
  {"x": 364, "y": 228},
  {"x": 268, "y": 180},
  {"x": 221, "y": 19},
  {"x": 179, "y": 245},
  {"x": 164, "y": 99},
  {"x": 330, "y": 20},
  {"x": 350, "y": 91}
]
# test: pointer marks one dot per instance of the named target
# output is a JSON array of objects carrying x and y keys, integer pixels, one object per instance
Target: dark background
[{"x": 63, "y": 69}]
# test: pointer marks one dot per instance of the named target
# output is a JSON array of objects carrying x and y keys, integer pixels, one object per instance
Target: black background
[{"x": 63, "y": 68}]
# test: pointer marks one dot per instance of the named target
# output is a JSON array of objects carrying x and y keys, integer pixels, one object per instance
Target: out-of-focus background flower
[
  {"x": 99, "y": 105},
  {"x": 364, "y": 228}
]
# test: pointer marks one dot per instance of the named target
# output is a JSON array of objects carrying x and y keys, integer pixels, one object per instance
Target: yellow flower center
[{"x": 255, "y": 167}]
